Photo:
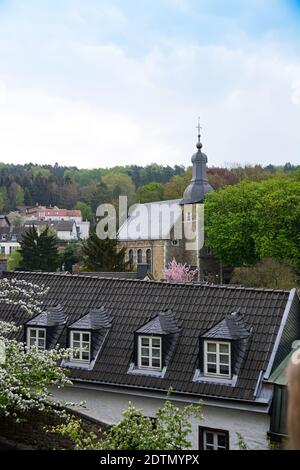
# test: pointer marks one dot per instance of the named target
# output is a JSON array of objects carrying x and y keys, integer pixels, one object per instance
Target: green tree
[
  {"x": 170, "y": 431},
  {"x": 102, "y": 255},
  {"x": 86, "y": 211},
  {"x": 14, "y": 260},
  {"x": 255, "y": 220},
  {"x": 150, "y": 193},
  {"x": 119, "y": 184},
  {"x": 70, "y": 256},
  {"x": 3, "y": 199},
  {"x": 39, "y": 252}
]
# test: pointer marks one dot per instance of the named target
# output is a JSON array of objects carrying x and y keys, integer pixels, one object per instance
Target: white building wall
[
  {"x": 84, "y": 229},
  {"x": 108, "y": 406},
  {"x": 9, "y": 247}
]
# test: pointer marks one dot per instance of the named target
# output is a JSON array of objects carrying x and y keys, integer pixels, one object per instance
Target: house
[
  {"x": 10, "y": 239},
  {"x": 132, "y": 340},
  {"x": 39, "y": 212},
  {"x": 65, "y": 229},
  {"x": 4, "y": 222},
  {"x": 161, "y": 233}
]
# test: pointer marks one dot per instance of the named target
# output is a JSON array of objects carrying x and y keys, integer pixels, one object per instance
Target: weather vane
[{"x": 199, "y": 129}]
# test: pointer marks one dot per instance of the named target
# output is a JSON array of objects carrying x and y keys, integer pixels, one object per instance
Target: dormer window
[
  {"x": 150, "y": 352},
  {"x": 80, "y": 342},
  {"x": 36, "y": 338},
  {"x": 217, "y": 358},
  {"x": 154, "y": 344}
]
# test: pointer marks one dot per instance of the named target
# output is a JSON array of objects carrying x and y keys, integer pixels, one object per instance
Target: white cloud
[{"x": 91, "y": 103}]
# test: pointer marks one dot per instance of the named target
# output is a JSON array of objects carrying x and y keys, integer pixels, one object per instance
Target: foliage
[
  {"x": 241, "y": 442},
  {"x": 86, "y": 211},
  {"x": 254, "y": 220},
  {"x": 39, "y": 252},
  {"x": 102, "y": 255},
  {"x": 150, "y": 193},
  {"x": 268, "y": 273},
  {"x": 70, "y": 256},
  {"x": 178, "y": 272},
  {"x": 14, "y": 260},
  {"x": 25, "y": 378},
  {"x": 169, "y": 430}
]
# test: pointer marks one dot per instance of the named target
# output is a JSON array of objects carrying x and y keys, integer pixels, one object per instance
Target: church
[{"x": 155, "y": 233}]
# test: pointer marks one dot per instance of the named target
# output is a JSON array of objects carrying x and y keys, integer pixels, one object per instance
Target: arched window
[
  {"x": 131, "y": 260},
  {"x": 149, "y": 260},
  {"x": 140, "y": 256}
]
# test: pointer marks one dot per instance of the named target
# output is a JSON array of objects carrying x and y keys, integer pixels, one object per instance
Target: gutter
[{"x": 292, "y": 296}]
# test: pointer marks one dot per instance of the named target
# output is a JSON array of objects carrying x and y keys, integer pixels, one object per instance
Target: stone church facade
[{"x": 159, "y": 245}]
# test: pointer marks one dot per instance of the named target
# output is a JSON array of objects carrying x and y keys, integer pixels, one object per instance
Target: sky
[{"x": 98, "y": 83}]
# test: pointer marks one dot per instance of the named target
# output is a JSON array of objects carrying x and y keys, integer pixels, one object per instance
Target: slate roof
[
  {"x": 163, "y": 324},
  {"x": 152, "y": 222},
  {"x": 52, "y": 316},
  {"x": 133, "y": 303},
  {"x": 116, "y": 275},
  {"x": 96, "y": 319},
  {"x": 231, "y": 328},
  {"x": 58, "y": 225},
  {"x": 11, "y": 234}
]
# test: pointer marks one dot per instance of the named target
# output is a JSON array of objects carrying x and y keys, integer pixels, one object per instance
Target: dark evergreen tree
[
  {"x": 39, "y": 252},
  {"x": 102, "y": 255}
]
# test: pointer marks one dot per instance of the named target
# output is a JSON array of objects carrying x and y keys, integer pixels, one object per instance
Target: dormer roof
[
  {"x": 163, "y": 324},
  {"x": 232, "y": 327},
  {"x": 52, "y": 316},
  {"x": 95, "y": 319}
]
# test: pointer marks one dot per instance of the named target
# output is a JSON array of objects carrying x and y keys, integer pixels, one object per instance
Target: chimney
[
  {"x": 142, "y": 270},
  {"x": 75, "y": 269}
]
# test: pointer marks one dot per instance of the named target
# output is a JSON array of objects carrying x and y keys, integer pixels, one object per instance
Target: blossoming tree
[
  {"x": 178, "y": 272},
  {"x": 26, "y": 375}
]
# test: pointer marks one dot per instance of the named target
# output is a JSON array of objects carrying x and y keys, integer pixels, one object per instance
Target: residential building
[{"x": 133, "y": 340}]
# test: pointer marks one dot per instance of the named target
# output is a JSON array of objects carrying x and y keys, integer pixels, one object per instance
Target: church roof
[{"x": 151, "y": 221}]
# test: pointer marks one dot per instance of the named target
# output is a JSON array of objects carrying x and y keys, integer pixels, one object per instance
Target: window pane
[
  {"x": 155, "y": 362},
  {"x": 221, "y": 440},
  {"x": 76, "y": 354},
  {"x": 211, "y": 368},
  {"x": 85, "y": 347},
  {"x": 145, "y": 361},
  {"x": 85, "y": 356},
  {"x": 41, "y": 343},
  {"x": 209, "y": 447},
  {"x": 145, "y": 352},
  {"x": 32, "y": 341},
  {"x": 156, "y": 352},
  {"x": 211, "y": 358},
  {"x": 224, "y": 359},
  {"x": 209, "y": 437},
  {"x": 211, "y": 347},
  {"x": 156, "y": 342},
  {"x": 41, "y": 334},
  {"x": 76, "y": 344},
  {"x": 32, "y": 334},
  {"x": 76, "y": 337},
  {"x": 85, "y": 337},
  {"x": 145, "y": 341},
  {"x": 224, "y": 370},
  {"x": 224, "y": 348}
]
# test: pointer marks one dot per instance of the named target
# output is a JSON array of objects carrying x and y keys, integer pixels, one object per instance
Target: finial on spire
[{"x": 199, "y": 144}]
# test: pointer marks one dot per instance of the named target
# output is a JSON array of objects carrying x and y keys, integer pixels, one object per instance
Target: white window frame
[
  {"x": 217, "y": 363},
  {"x": 80, "y": 349},
  {"x": 151, "y": 357},
  {"x": 215, "y": 445},
  {"x": 36, "y": 330}
]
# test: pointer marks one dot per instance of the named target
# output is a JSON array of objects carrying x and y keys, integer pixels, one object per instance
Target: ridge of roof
[{"x": 162, "y": 283}]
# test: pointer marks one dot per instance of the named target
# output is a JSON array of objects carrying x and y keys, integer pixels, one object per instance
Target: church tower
[{"x": 193, "y": 215}]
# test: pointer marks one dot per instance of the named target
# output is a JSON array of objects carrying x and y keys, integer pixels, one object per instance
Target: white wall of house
[
  {"x": 107, "y": 407},
  {"x": 84, "y": 229},
  {"x": 6, "y": 248},
  {"x": 66, "y": 235}
]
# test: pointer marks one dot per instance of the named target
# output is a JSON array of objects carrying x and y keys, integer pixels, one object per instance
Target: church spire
[{"x": 199, "y": 185}]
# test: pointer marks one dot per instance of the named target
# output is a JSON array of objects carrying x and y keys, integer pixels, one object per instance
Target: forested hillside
[{"x": 85, "y": 189}]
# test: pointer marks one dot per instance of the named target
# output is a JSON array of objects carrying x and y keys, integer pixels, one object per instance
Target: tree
[
  {"x": 86, "y": 211},
  {"x": 39, "y": 252},
  {"x": 70, "y": 256},
  {"x": 119, "y": 184},
  {"x": 177, "y": 272},
  {"x": 254, "y": 220},
  {"x": 3, "y": 199},
  {"x": 268, "y": 273},
  {"x": 14, "y": 260},
  {"x": 26, "y": 377},
  {"x": 149, "y": 193},
  {"x": 170, "y": 430},
  {"x": 102, "y": 255}
]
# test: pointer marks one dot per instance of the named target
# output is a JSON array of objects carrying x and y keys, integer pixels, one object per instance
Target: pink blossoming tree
[{"x": 178, "y": 272}]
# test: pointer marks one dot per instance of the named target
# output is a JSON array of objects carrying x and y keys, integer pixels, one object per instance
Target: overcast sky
[{"x": 97, "y": 83}]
